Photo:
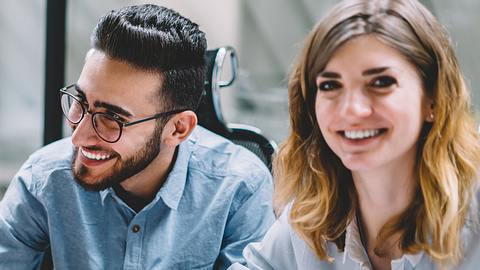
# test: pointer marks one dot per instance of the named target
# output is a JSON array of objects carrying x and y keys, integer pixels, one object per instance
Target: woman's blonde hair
[{"x": 308, "y": 173}]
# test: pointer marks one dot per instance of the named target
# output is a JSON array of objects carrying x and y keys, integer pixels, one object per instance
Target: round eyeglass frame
[{"x": 121, "y": 124}]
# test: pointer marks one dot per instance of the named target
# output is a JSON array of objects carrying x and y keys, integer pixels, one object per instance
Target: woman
[{"x": 379, "y": 171}]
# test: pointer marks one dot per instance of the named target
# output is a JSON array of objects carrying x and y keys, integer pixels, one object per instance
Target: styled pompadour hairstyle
[{"x": 157, "y": 39}]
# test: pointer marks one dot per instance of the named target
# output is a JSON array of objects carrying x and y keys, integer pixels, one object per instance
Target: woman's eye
[
  {"x": 383, "y": 81},
  {"x": 329, "y": 85}
]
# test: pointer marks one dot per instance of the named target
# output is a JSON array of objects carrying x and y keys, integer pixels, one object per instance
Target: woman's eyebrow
[
  {"x": 330, "y": 75},
  {"x": 368, "y": 72},
  {"x": 373, "y": 71}
]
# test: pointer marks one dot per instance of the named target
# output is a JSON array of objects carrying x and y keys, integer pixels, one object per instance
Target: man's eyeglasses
[{"x": 107, "y": 125}]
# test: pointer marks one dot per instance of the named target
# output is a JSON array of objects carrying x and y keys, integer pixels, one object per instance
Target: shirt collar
[
  {"x": 172, "y": 190},
  {"x": 414, "y": 259},
  {"x": 354, "y": 248},
  {"x": 356, "y": 252},
  {"x": 105, "y": 192}
]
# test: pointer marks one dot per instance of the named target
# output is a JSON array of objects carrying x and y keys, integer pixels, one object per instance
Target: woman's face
[{"x": 370, "y": 105}]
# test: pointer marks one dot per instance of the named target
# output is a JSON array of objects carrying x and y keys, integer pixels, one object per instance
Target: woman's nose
[{"x": 356, "y": 103}]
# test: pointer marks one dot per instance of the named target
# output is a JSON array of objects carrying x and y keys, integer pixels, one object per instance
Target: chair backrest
[{"x": 210, "y": 114}]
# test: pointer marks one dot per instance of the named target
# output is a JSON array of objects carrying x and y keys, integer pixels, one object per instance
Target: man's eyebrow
[
  {"x": 110, "y": 107},
  {"x": 330, "y": 75},
  {"x": 113, "y": 108},
  {"x": 373, "y": 71},
  {"x": 80, "y": 91}
]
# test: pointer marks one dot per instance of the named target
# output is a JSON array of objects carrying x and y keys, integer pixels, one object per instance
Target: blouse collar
[{"x": 355, "y": 250}]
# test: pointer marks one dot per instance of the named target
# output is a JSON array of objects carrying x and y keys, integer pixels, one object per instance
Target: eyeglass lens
[
  {"x": 105, "y": 126},
  {"x": 72, "y": 109}
]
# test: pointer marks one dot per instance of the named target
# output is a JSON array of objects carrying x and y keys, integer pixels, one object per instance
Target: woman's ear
[
  {"x": 179, "y": 127},
  {"x": 430, "y": 115}
]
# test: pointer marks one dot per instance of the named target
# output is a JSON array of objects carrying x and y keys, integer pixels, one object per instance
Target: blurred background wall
[{"x": 267, "y": 35}]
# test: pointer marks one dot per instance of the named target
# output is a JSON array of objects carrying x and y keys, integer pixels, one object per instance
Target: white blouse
[{"x": 283, "y": 249}]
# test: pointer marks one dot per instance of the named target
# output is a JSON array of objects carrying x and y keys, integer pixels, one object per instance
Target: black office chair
[{"x": 210, "y": 114}]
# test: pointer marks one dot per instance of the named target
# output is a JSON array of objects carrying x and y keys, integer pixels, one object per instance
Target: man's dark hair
[{"x": 157, "y": 39}]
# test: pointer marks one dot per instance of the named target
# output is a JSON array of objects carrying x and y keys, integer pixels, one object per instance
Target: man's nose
[{"x": 83, "y": 133}]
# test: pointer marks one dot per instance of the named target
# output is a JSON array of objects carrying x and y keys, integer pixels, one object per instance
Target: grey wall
[
  {"x": 266, "y": 33},
  {"x": 22, "y": 30}
]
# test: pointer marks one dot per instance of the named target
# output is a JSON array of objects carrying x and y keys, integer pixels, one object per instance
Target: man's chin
[
  {"x": 83, "y": 176},
  {"x": 92, "y": 185}
]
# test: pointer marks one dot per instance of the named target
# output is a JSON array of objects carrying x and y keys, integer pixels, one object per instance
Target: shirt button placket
[
  {"x": 134, "y": 243},
  {"x": 135, "y": 228}
]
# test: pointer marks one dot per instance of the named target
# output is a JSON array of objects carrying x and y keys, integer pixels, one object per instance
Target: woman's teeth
[{"x": 361, "y": 134}]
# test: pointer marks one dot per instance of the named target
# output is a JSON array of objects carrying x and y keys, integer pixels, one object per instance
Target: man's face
[{"x": 115, "y": 87}]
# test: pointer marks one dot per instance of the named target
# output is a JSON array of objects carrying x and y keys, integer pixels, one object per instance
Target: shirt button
[{"x": 136, "y": 228}]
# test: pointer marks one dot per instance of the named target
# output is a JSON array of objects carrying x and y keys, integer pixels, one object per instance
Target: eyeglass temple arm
[{"x": 158, "y": 115}]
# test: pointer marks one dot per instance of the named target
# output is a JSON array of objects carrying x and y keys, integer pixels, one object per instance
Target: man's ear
[{"x": 179, "y": 127}]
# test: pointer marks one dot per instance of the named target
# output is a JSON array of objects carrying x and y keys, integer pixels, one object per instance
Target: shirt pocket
[
  {"x": 195, "y": 260},
  {"x": 198, "y": 265}
]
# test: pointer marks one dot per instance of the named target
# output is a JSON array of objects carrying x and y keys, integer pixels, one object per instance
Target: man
[{"x": 138, "y": 185}]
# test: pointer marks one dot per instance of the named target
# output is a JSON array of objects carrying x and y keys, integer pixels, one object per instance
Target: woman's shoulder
[
  {"x": 471, "y": 235},
  {"x": 282, "y": 248},
  {"x": 276, "y": 250}
]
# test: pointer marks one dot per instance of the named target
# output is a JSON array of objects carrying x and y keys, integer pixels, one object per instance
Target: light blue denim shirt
[
  {"x": 215, "y": 201},
  {"x": 282, "y": 248}
]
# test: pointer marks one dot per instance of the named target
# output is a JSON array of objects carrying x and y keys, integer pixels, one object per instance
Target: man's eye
[
  {"x": 383, "y": 81},
  {"x": 115, "y": 116},
  {"x": 329, "y": 85}
]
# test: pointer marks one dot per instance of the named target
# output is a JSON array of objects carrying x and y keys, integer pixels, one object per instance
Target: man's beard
[{"x": 122, "y": 170}]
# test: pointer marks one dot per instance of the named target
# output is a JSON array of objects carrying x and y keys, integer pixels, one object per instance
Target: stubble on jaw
[{"x": 122, "y": 170}]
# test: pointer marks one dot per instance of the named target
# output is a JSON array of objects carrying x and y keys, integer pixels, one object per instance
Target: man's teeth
[
  {"x": 94, "y": 156},
  {"x": 361, "y": 134}
]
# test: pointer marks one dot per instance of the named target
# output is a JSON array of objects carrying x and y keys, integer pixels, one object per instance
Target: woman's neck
[{"x": 383, "y": 194}]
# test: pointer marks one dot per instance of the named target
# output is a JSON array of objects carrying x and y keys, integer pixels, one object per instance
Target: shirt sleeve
[
  {"x": 274, "y": 252},
  {"x": 23, "y": 236},
  {"x": 249, "y": 223}
]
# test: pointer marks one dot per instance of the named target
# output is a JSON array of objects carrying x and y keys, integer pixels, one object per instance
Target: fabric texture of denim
[{"x": 216, "y": 200}]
